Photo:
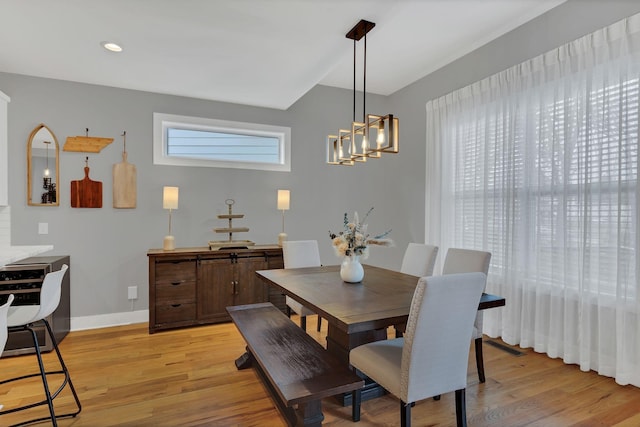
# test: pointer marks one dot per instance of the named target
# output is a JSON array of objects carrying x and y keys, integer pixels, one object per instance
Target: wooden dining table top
[{"x": 382, "y": 299}]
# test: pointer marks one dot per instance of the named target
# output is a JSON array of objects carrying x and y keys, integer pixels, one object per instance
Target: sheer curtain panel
[{"x": 539, "y": 166}]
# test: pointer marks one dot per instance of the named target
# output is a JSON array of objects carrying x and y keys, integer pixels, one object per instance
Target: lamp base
[
  {"x": 168, "y": 243},
  {"x": 281, "y": 238}
]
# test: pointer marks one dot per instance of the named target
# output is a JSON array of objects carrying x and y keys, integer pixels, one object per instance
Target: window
[
  {"x": 564, "y": 182},
  {"x": 196, "y": 141}
]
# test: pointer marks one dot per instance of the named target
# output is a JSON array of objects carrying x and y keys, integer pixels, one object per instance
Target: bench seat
[{"x": 297, "y": 370}]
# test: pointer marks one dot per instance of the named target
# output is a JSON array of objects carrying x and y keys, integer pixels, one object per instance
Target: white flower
[{"x": 354, "y": 240}]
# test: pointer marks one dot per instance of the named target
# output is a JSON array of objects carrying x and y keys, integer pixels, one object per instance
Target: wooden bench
[{"x": 296, "y": 369}]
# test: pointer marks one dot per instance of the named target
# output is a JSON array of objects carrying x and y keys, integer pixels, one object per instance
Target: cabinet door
[
  {"x": 216, "y": 288},
  {"x": 249, "y": 288}
]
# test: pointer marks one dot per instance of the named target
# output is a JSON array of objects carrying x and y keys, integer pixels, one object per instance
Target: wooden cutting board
[
  {"x": 86, "y": 193},
  {"x": 124, "y": 184}
]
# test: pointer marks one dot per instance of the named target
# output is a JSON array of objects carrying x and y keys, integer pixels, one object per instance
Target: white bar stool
[{"x": 23, "y": 318}]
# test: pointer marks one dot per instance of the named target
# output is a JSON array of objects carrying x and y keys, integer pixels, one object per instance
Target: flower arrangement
[{"x": 354, "y": 239}]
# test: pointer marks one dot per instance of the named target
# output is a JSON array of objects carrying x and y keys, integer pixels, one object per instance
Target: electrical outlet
[
  {"x": 43, "y": 228},
  {"x": 133, "y": 292}
]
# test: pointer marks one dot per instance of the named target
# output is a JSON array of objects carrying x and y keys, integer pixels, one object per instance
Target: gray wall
[{"x": 108, "y": 246}]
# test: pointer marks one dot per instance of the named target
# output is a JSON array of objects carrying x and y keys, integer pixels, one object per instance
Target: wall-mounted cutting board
[
  {"x": 86, "y": 193},
  {"x": 86, "y": 144},
  {"x": 124, "y": 184}
]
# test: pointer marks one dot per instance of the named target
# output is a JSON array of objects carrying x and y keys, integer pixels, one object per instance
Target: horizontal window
[{"x": 196, "y": 141}]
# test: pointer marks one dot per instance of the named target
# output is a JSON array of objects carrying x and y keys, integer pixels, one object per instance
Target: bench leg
[
  {"x": 244, "y": 361},
  {"x": 310, "y": 414}
]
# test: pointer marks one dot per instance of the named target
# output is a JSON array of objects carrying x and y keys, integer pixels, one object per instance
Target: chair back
[
  {"x": 300, "y": 253},
  {"x": 466, "y": 261},
  {"x": 419, "y": 259},
  {"x": 4, "y": 333},
  {"x": 436, "y": 342}
]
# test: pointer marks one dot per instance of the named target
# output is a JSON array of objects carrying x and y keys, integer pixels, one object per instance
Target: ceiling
[{"x": 266, "y": 53}]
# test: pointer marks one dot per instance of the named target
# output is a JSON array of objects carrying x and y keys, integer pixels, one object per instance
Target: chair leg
[
  {"x": 356, "y": 399},
  {"x": 479, "y": 359},
  {"x": 303, "y": 322},
  {"x": 288, "y": 311},
  {"x": 461, "y": 408},
  {"x": 319, "y": 322},
  {"x": 405, "y": 414}
]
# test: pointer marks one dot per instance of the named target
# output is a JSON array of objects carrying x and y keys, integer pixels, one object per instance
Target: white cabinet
[{"x": 4, "y": 151}]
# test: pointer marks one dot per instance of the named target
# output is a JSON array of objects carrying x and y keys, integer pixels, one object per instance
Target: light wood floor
[{"x": 127, "y": 377}]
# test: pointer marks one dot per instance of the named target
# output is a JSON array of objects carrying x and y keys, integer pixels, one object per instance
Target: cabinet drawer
[
  {"x": 175, "y": 272},
  {"x": 177, "y": 312},
  {"x": 175, "y": 292}
]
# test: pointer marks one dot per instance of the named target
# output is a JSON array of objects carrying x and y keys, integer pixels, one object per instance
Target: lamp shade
[
  {"x": 170, "y": 198},
  {"x": 283, "y": 200}
]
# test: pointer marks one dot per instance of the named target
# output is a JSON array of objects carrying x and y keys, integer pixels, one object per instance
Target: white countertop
[{"x": 9, "y": 254}]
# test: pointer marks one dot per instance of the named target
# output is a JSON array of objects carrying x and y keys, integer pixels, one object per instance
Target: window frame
[{"x": 162, "y": 122}]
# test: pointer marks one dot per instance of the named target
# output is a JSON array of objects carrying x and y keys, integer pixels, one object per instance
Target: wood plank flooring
[{"x": 126, "y": 377}]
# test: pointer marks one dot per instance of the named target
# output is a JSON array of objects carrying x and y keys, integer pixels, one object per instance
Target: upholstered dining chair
[
  {"x": 4, "y": 333},
  {"x": 23, "y": 318},
  {"x": 426, "y": 362},
  {"x": 299, "y": 254},
  {"x": 467, "y": 261},
  {"x": 419, "y": 259}
]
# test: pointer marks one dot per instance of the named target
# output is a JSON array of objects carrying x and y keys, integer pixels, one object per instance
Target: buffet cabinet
[
  {"x": 24, "y": 280},
  {"x": 194, "y": 286}
]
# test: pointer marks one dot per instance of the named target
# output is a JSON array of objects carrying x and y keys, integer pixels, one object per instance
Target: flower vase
[{"x": 351, "y": 270}]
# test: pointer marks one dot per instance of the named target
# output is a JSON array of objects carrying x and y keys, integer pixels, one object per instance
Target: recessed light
[{"x": 111, "y": 46}]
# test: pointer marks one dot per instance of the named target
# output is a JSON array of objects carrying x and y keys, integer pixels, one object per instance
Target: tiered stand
[{"x": 228, "y": 244}]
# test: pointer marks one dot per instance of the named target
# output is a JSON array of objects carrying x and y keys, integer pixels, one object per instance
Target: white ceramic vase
[{"x": 351, "y": 270}]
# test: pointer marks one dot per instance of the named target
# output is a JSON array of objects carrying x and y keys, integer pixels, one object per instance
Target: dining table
[{"x": 356, "y": 313}]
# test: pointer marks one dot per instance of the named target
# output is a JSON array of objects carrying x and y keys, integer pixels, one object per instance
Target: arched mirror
[{"x": 42, "y": 167}]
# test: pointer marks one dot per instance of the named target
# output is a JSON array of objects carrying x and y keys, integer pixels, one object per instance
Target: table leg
[{"x": 340, "y": 343}]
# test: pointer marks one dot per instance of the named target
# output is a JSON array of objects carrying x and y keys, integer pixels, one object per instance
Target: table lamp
[
  {"x": 169, "y": 201},
  {"x": 283, "y": 205}
]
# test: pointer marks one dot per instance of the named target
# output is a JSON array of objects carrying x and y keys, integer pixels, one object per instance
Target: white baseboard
[{"x": 106, "y": 320}]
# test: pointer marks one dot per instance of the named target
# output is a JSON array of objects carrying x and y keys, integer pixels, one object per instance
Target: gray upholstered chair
[
  {"x": 419, "y": 259},
  {"x": 467, "y": 261},
  {"x": 23, "y": 318},
  {"x": 299, "y": 254},
  {"x": 426, "y": 362}
]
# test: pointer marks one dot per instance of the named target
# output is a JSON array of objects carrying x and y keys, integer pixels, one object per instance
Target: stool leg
[
  {"x": 43, "y": 375},
  {"x": 64, "y": 369}
]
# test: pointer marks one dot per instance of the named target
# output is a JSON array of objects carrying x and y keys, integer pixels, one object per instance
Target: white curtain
[{"x": 539, "y": 165}]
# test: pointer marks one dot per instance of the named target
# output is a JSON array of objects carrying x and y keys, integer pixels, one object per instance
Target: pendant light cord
[
  {"x": 354, "y": 80},
  {"x": 364, "y": 80}
]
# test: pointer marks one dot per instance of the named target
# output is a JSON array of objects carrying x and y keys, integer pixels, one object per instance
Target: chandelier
[{"x": 355, "y": 144}]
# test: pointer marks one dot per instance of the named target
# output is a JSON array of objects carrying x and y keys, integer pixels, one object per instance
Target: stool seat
[{"x": 22, "y": 315}]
